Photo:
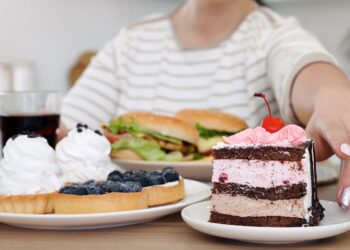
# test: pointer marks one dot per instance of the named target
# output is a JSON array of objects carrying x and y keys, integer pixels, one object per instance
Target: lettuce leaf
[
  {"x": 207, "y": 133},
  {"x": 120, "y": 125},
  {"x": 147, "y": 150}
]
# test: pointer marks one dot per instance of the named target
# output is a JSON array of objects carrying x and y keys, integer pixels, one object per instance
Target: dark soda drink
[{"x": 44, "y": 125}]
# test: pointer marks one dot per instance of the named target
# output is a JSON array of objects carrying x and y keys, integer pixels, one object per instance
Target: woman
[{"x": 216, "y": 54}]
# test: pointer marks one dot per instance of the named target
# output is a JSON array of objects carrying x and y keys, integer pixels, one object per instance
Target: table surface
[{"x": 169, "y": 232}]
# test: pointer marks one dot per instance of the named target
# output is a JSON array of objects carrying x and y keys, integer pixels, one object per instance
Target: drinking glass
[{"x": 34, "y": 112}]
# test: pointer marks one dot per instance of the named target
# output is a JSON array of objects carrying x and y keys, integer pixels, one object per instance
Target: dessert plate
[
  {"x": 197, "y": 170},
  {"x": 194, "y": 192},
  {"x": 202, "y": 170},
  {"x": 327, "y": 172},
  {"x": 336, "y": 221}
]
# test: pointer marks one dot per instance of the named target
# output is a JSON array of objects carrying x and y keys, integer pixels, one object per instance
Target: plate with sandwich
[{"x": 149, "y": 141}]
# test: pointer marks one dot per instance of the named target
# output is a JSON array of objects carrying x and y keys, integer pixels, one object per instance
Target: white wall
[
  {"x": 329, "y": 20},
  {"x": 52, "y": 33}
]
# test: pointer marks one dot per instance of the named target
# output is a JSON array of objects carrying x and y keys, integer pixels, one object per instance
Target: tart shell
[
  {"x": 105, "y": 203},
  {"x": 27, "y": 204},
  {"x": 162, "y": 194}
]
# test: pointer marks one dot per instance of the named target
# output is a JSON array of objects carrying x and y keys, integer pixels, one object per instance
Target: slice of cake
[{"x": 266, "y": 177}]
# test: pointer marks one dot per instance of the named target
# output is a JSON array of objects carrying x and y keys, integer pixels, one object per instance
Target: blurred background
[{"x": 43, "y": 39}]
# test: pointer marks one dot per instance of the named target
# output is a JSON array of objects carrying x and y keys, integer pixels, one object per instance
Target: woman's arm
[{"x": 320, "y": 97}]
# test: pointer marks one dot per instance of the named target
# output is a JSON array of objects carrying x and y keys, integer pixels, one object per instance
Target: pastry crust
[
  {"x": 27, "y": 204},
  {"x": 162, "y": 194},
  {"x": 105, "y": 203}
]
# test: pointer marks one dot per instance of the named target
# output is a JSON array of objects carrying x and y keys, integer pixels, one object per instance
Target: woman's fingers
[
  {"x": 322, "y": 147},
  {"x": 345, "y": 149},
  {"x": 343, "y": 193},
  {"x": 330, "y": 136}
]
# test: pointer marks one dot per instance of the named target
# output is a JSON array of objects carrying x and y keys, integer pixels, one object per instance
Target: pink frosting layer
[
  {"x": 288, "y": 135},
  {"x": 258, "y": 173}
]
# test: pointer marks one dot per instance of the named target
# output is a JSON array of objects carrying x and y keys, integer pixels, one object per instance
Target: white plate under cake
[{"x": 336, "y": 221}]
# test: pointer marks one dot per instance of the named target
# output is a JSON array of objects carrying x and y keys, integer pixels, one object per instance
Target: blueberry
[
  {"x": 155, "y": 173},
  {"x": 143, "y": 180},
  {"x": 129, "y": 176},
  {"x": 134, "y": 186},
  {"x": 65, "y": 190},
  {"x": 141, "y": 173},
  {"x": 98, "y": 132},
  {"x": 130, "y": 186},
  {"x": 115, "y": 176},
  {"x": 142, "y": 177},
  {"x": 111, "y": 186},
  {"x": 75, "y": 189},
  {"x": 168, "y": 169},
  {"x": 170, "y": 174},
  {"x": 95, "y": 189},
  {"x": 156, "y": 179},
  {"x": 89, "y": 182}
]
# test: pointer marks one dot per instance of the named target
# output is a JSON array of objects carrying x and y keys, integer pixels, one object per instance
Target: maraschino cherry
[{"x": 270, "y": 123}]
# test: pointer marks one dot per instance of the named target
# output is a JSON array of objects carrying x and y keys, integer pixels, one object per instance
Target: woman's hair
[{"x": 261, "y": 2}]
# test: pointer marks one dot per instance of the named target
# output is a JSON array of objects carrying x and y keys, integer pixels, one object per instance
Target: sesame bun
[
  {"x": 165, "y": 125},
  {"x": 212, "y": 119}
]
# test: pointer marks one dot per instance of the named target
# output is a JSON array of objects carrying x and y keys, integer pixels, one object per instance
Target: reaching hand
[{"x": 329, "y": 126}]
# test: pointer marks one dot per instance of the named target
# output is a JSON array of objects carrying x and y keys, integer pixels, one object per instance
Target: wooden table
[{"x": 167, "y": 233}]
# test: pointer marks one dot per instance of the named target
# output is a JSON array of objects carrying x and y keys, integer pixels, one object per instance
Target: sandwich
[
  {"x": 211, "y": 125},
  {"x": 151, "y": 137}
]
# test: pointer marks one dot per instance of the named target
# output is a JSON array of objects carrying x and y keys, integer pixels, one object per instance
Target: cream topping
[
  {"x": 28, "y": 167},
  {"x": 84, "y": 155},
  {"x": 290, "y": 135}
]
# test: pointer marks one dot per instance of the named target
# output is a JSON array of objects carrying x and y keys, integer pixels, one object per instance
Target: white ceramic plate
[
  {"x": 202, "y": 171},
  {"x": 197, "y": 170},
  {"x": 327, "y": 172},
  {"x": 195, "y": 191},
  {"x": 336, "y": 221}
]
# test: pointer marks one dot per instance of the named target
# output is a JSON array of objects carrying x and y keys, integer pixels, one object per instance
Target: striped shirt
[{"x": 145, "y": 69}]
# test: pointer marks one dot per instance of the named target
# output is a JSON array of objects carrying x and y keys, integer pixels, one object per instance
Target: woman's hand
[
  {"x": 329, "y": 126},
  {"x": 321, "y": 99}
]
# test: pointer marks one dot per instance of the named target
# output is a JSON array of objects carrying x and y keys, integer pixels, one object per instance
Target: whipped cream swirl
[
  {"x": 28, "y": 167},
  {"x": 84, "y": 155}
]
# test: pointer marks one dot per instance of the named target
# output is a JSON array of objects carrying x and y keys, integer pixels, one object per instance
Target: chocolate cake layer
[
  {"x": 268, "y": 153},
  {"x": 276, "y": 193},
  {"x": 317, "y": 213},
  {"x": 268, "y": 221}
]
